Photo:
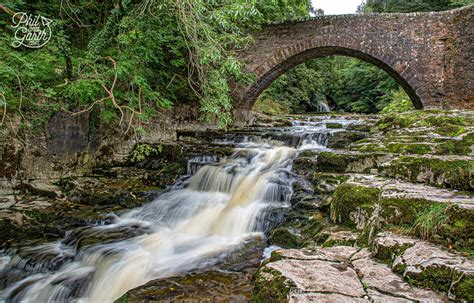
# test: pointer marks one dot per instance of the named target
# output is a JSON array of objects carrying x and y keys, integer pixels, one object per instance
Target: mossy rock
[
  {"x": 397, "y": 120},
  {"x": 458, "y": 231},
  {"x": 221, "y": 286},
  {"x": 450, "y": 173},
  {"x": 409, "y": 148},
  {"x": 326, "y": 183},
  {"x": 344, "y": 162},
  {"x": 360, "y": 127},
  {"x": 334, "y": 125},
  {"x": 341, "y": 238},
  {"x": 271, "y": 286},
  {"x": 442, "y": 279},
  {"x": 389, "y": 253},
  {"x": 465, "y": 289},
  {"x": 464, "y": 146},
  {"x": 283, "y": 237},
  {"x": 444, "y": 123},
  {"x": 444, "y": 223},
  {"x": 402, "y": 210},
  {"x": 350, "y": 199},
  {"x": 342, "y": 139},
  {"x": 305, "y": 164}
]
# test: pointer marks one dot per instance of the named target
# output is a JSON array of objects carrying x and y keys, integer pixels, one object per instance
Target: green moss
[
  {"x": 370, "y": 147},
  {"x": 332, "y": 162},
  {"x": 271, "y": 286},
  {"x": 437, "y": 278},
  {"x": 400, "y": 267},
  {"x": 456, "y": 147},
  {"x": 340, "y": 162},
  {"x": 305, "y": 164},
  {"x": 122, "y": 299},
  {"x": 458, "y": 231},
  {"x": 349, "y": 198},
  {"x": 396, "y": 120},
  {"x": 410, "y": 148},
  {"x": 284, "y": 237},
  {"x": 338, "y": 242},
  {"x": 402, "y": 211},
  {"x": 455, "y": 174},
  {"x": 326, "y": 183},
  {"x": 465, "y": 289},
  {"x": 333, "y": 125},
  {"x": 442, "y": 120}
]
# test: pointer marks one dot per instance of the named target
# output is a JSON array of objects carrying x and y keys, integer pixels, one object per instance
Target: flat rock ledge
[
  {"x": 369, "y": 202},
  {"x": 427, "y": 265},
  {"x": 333, "y": 274}
]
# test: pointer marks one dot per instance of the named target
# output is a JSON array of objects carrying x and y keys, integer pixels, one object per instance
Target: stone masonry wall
[{"x": 429, "y": 54}]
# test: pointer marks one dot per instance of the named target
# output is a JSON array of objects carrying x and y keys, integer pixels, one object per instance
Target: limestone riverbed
[{"x": 356, "y": 208}]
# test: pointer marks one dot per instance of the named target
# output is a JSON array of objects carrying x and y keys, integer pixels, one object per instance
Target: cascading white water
[
  {"x": 197, "y": 224},
  {"x": 216, "y": 212},
  {"x": 322, "y": 107}
]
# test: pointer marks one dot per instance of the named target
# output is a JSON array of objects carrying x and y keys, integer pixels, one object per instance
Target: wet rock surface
[
  {"x": 208, "y": 286},
  {"x": 43, "y": 210},
  {"x": 407, "y": 174}
]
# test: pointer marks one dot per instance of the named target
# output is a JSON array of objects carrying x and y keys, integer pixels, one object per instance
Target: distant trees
[{"x": 406, "y": 6}]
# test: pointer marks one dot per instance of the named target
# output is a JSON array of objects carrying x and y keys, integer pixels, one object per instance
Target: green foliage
[
  {"x": 400, "y": 103},
  {"x": 361, "y": 87},
  {"x": 142, "y": 151},
  {"x": 271, "y": 107},
  {"x": 354, "y": 85},
  {"x": 407, "y": 6},
  {"x": 297, "y": 89},
  {"x": 430, "y": 220},
  {"x": 131, "y": 59}
]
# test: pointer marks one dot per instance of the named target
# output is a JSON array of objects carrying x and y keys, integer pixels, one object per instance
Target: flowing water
[
  {"x": 323, "y": 107},
  {"x": 221, "y": 206}
]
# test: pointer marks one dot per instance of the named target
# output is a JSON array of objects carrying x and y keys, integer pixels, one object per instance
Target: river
[{"x": 220, "y": 206}]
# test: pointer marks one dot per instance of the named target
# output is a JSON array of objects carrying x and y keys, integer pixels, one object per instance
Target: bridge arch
[
  {"x": 428, "y": 54},
  {"x": 263, "y": 81}
]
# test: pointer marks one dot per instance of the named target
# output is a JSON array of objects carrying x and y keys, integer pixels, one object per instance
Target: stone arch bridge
[{"x": 429, "y": 54}]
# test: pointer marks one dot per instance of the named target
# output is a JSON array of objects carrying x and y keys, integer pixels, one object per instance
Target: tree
[{"x": 128, "y": 59}]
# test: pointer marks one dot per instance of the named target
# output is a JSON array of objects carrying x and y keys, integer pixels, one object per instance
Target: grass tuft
[{"x": 429, "y": 221}]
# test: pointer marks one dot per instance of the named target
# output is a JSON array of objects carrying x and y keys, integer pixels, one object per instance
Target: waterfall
[
  {"x": 224, "y": 203},
  {"x": 215, "y": 212},
  {"x": 322, "y": 107}
]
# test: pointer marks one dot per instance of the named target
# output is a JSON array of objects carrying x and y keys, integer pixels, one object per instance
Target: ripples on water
[{"x": 197, "y": 224}]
